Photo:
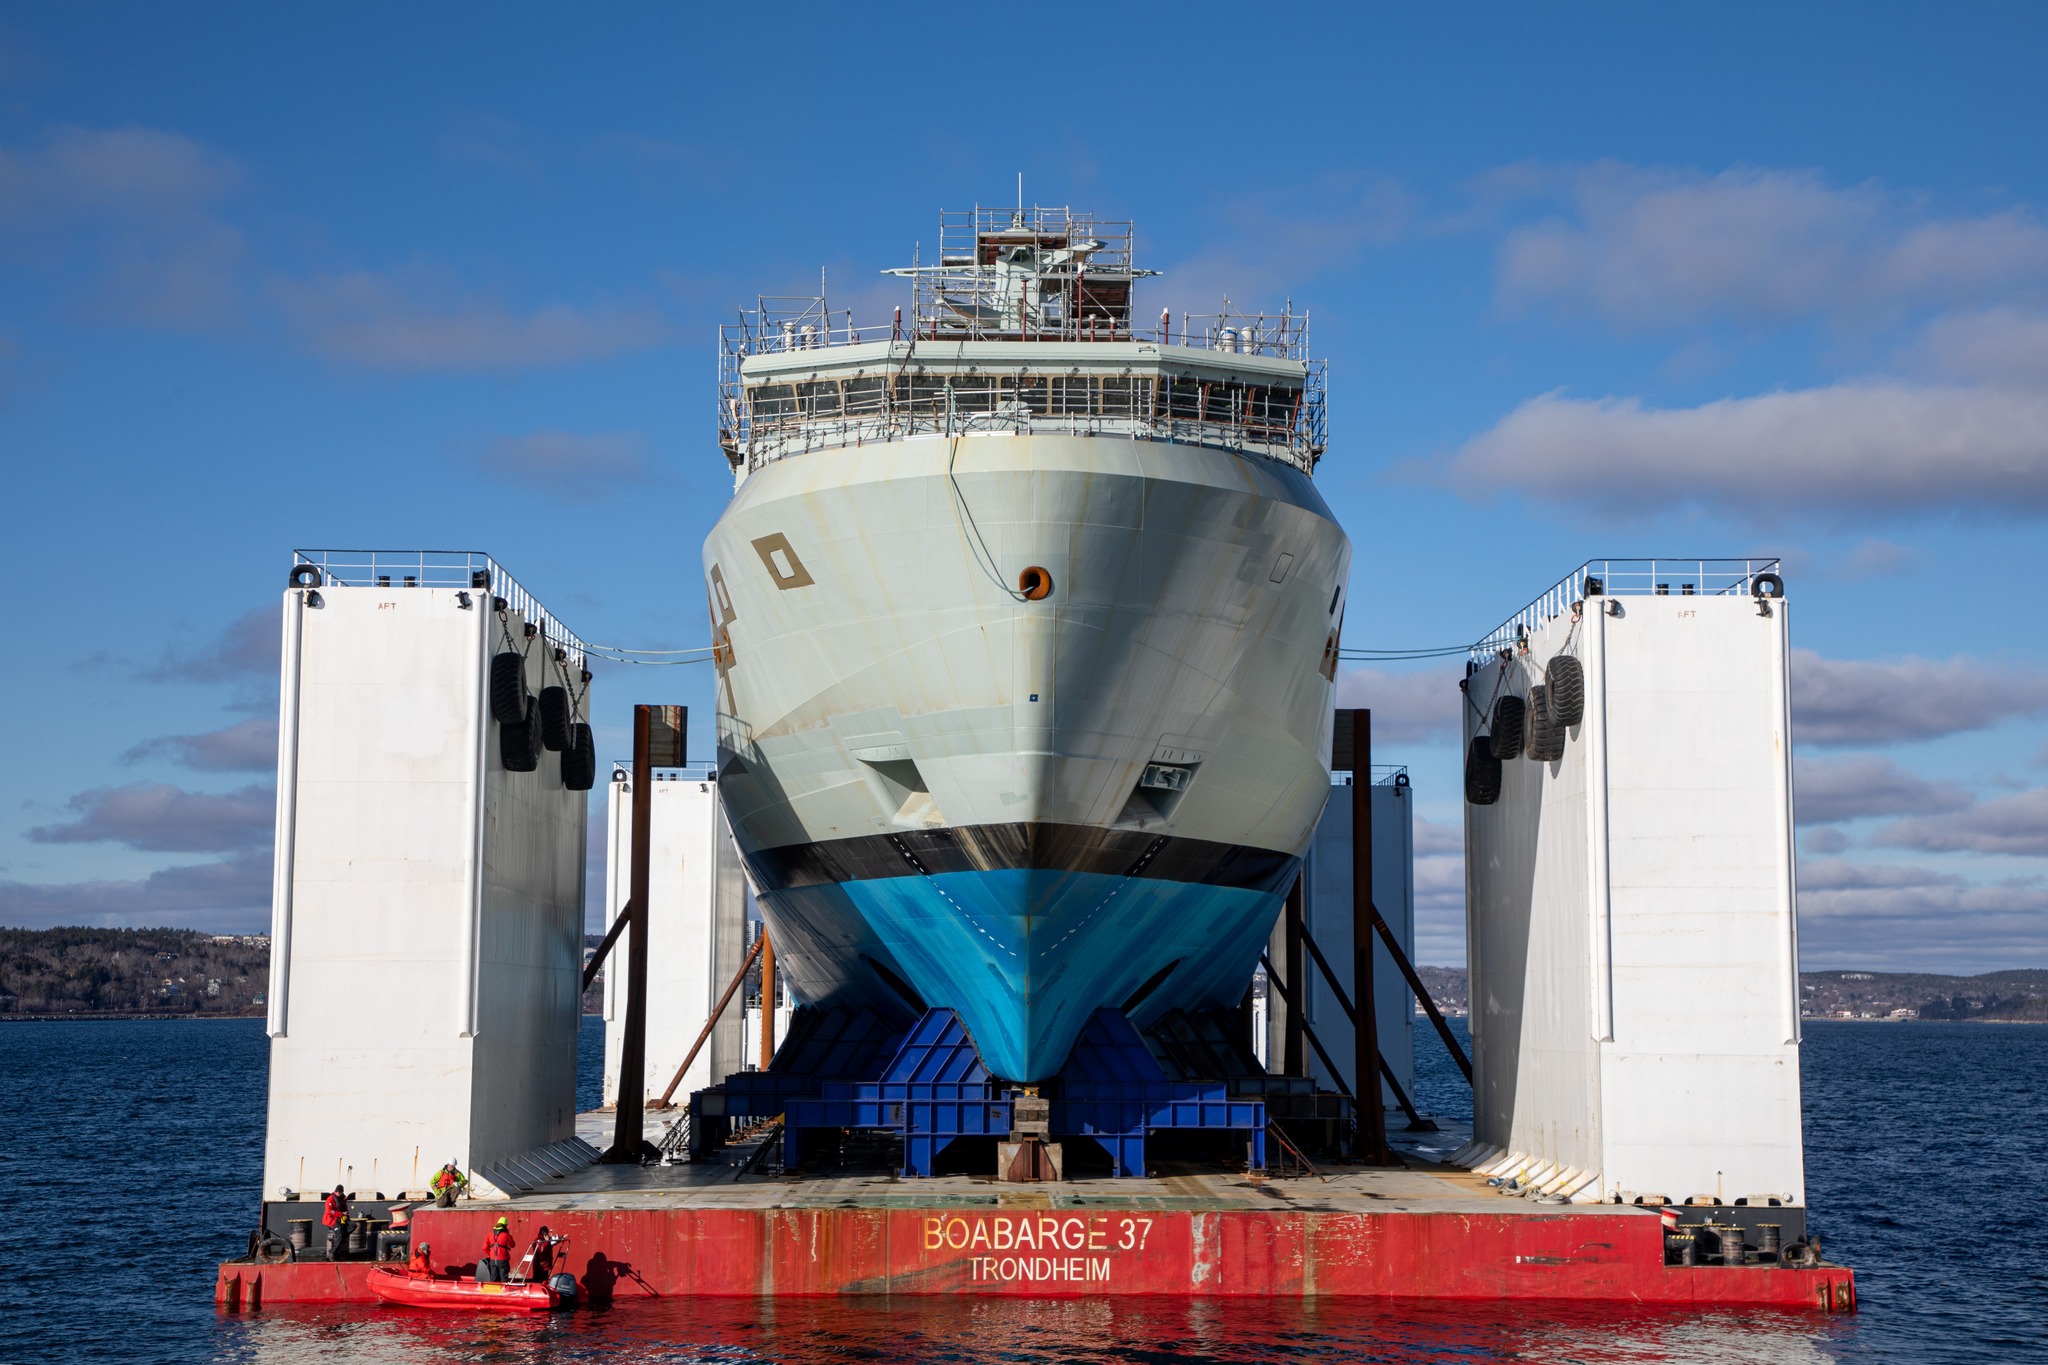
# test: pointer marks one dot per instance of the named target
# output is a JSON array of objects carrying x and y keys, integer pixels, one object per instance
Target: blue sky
[{"x": 1592, "y": 281}]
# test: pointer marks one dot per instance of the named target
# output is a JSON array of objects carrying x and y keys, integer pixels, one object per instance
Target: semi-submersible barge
[{"x": 1026, "y": 616}]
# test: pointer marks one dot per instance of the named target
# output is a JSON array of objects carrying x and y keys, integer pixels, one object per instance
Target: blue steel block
[
  {"x": 1111, "y": 1049},
  {"x": 935, "y": 1089},
  {"x": 937, "y": 1050}
]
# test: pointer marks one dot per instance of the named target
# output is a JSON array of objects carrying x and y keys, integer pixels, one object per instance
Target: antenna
[{"x": 1020, "y": 192}]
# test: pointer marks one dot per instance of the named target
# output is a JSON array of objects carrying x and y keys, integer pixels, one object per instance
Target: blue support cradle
[
  {"x": 935, "y": 1090},
  {"x": 1114, "y": 1091}
]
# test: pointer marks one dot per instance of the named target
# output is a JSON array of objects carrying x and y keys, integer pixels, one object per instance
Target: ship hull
[{"x": 940, "y": 786}]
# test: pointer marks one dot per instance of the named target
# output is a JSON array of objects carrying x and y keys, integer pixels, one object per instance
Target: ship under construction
[{"x": 1026, "y": 610}]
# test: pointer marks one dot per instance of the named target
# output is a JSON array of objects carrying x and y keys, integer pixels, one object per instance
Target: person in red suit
[
  {"x": 334, "y": 1217},
  {"x": 495, "y": 1265}
]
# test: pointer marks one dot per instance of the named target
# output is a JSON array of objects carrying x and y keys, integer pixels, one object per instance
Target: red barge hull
[{"x": 1600, "y": 1254}]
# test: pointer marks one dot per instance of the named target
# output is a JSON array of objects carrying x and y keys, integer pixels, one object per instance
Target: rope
[
  {"x": 980, "y": 547},
  {"x": 653, "y": 663},
  {"x": 1395, "y": 655}
]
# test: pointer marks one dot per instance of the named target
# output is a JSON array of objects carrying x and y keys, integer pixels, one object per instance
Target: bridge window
[
  {"x": 820, "y": 397},
  {"x": 864, "y": 395},
  {"x": 772, "y": 402}
]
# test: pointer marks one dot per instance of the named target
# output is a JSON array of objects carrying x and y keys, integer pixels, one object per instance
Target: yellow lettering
[
  {"x": 1146, "y": 1234},
  {"x": 1006, "y": 1237},
  {"x": 933, "y": 1237},
  {"x": 1026, "y": 1237},
  {"x": 980, "y": 1232},
  {"x": 1098, "y": 1268},
  {"x": 960, "y": 1226},
  {"x": 1128, "y": 1234},
  {"x": 1049, "y": 1233},
  {"x": 1096, "y": 1233},
  {"x": 1074, "y": 1234}
]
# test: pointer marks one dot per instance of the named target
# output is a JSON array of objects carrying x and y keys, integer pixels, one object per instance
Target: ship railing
[
  {"x": 1383, "y": 775},
  {"x": 471, "y": 569},
  {"x": 786, "y": 326},
  {"x": 1620, "y": 578},
  {"x": 776, "y": 420},
  {"x": 1276, "y": 336},
  {"x": 1299, "y": 445}
]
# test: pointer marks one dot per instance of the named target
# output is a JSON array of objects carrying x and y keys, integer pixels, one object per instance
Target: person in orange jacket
[
  {"x": 447, "y": 1185},
  {"x": 421, "y": 1264},
  {"x": 495, "y": 1265}
]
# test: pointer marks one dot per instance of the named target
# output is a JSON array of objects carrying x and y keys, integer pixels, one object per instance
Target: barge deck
[{"x": 1422, "y": 1231}]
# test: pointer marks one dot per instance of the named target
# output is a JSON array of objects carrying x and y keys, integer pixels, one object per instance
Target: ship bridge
[{"x": 1024, "y": 325}]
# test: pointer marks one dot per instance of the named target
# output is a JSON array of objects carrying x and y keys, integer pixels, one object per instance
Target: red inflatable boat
[{"x": 397, "y": 1286}]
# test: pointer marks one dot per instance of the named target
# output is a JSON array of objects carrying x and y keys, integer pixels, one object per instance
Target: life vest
[
  {"x": 334, "y": 1210},
  {"x": 498, "y": 1246},
  {"x": 419, "y": 1266}
]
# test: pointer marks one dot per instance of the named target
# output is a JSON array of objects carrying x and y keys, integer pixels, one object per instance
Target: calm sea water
[{"x": 130, "y": 1155}]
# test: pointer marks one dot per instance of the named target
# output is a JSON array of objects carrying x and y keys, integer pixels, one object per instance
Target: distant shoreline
[
  {"x": 110, "y": 1016},
  {"x": 1835, "y": 1019}
]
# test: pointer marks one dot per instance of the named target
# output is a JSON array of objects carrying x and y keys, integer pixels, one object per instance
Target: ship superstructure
[{"x": 1026, "y": 619}]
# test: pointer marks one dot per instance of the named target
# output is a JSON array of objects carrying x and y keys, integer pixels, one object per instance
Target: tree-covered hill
[{"x": 81, "y": 971}]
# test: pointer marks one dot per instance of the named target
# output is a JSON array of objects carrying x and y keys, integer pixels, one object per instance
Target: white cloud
[
  {"x": 137, "y": 207},
  {"x": 228, "y": 896},
  {"x": 246, "y": 746},
  {"x": 2016, "y": 824},
  {"x": 1257, "y": 254},
  {"x": 247, "y": 647},
  {"x": 1871, "y": 446},
  {"x": 1825, "y": 839},
  {"x": 412, "y": 323},
  {"x": 1439, "y": 893},
  {"x": 1414, "y": 708},
  {"x": 1829, "y": 791},
  {"x": 1661, "y": 248},
  {"x": 1996, "y": 344},
  {"x": 137, "y": 173},
  {"x": 1893, "y": 918},
  {"x": 1862, "y": 702},
  {"x": 164, "y": 818},
  {"x": 1432, "y": 838},
  {"x": 1962, "y": 424},
  {"x": 1873, "y": 558},
  {"x": 578, "y": 466}
]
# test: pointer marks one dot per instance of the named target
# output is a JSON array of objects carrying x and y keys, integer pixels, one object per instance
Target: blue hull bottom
[{"x": 1024, "y": 955}]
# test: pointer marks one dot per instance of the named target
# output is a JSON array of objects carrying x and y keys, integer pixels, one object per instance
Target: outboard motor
[{"x": 563, "y": 1283}]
